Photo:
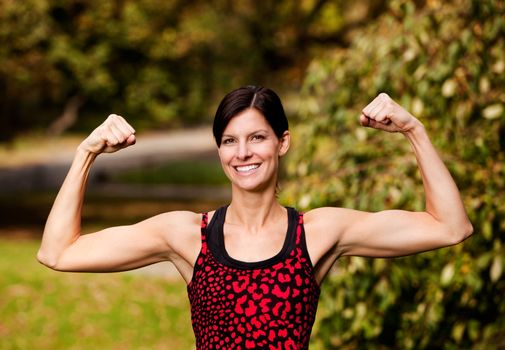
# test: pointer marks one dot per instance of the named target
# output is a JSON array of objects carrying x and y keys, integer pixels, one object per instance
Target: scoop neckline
[{"x": 223, "y": 256}]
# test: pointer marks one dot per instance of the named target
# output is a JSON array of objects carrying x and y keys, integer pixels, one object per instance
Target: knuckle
[{"x": 113, "y": 118}]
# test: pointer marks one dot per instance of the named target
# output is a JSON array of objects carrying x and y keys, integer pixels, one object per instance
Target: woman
[{"x": 254, "y": 268}]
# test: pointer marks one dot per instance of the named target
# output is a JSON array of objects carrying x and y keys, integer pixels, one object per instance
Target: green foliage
[
  {"x": 160, "y": 63},
  {"x": 188, "y": 172},
  {"x": 444, "y": 63}
]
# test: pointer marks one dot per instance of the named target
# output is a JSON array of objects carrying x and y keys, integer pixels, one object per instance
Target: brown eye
[{"x": 258, "y": 137}]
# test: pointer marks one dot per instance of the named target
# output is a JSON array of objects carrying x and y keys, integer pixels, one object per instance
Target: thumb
[
  {"x": 131, "y": 140},
  {"x": 365, "y": 121},
  {"x": 385, "y": 125}
]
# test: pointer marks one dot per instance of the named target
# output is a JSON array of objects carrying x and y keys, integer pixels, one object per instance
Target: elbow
[
  {"x": 468, "y": 231},
  {"x": 462, "y": 232},
  {"x": 47, "y": 260}
]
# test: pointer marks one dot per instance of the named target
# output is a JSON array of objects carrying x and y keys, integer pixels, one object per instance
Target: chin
[{"x": 251, "y": 186}]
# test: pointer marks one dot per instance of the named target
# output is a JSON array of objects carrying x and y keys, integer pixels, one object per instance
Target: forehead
[{"x": 246, "y": 121}]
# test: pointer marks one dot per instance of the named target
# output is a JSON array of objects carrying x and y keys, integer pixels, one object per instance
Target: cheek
[
  {"x": 224, "y": 164},
  {"x": 268, "y": 150},
  {"x": 225, "y": 156}
]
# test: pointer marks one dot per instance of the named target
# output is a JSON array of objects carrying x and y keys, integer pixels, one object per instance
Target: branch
[{"x": 68, "y": 117}]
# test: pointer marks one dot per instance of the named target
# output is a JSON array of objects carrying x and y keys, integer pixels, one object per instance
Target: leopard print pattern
[{"x": 269, "y": 308}]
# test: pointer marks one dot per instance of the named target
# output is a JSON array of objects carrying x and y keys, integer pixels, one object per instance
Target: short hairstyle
[{"x": 260, "y": 98}]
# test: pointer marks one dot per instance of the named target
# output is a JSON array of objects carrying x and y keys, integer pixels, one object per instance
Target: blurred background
[{"x": 165, "y": 65}]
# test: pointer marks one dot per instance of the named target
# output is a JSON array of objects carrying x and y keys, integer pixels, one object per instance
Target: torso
[{"x": 253, "y": 303}]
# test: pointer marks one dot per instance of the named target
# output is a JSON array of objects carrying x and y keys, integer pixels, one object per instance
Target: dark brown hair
[{"x": 262, "y": 99}]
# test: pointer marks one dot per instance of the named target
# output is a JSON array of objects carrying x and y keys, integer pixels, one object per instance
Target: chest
[
  {"x": 246, "y": 246},
  {"x": 281, "y": 288}
]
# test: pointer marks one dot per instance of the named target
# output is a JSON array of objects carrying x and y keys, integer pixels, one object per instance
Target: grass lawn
[{"x": 43, "y": 309}]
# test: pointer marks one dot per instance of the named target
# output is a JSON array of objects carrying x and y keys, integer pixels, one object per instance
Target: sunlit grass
[{"x": 43, "y": 309}]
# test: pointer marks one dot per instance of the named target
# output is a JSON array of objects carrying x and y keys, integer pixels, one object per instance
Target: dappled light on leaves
[{"x": 445, "y": 63}]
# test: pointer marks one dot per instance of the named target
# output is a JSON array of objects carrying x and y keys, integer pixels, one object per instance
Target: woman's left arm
[{"x": 397, "y": 232}]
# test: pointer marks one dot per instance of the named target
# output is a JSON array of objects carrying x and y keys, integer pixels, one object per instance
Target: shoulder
[
  {"x": 183, "y": 217},
  {"x": 176, "y": 219},
  {"x": 172, "y": 225},
  {"x": 328, "y": 217},
  {"x": 181, "y": 232},
  {"x": 328, "y": 224},
  {"x": 323, "y": 228}
]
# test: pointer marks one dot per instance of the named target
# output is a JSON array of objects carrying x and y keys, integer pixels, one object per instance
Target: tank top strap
[
  {"x": 300, "y": 240},
  {"x": 204, "y": 224},
  {"x": 299, "y": 229}
]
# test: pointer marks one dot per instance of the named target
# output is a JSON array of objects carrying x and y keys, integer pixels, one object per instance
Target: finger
[
  {"x": 119, "y": 128},
  {"x": 379, "y": 101},
  {"x": 109, "y": 137},
  {"x": 377, "y": 125},
  {"x": 375, "y": 111},
  {"x": 131, "y": 140},
  {"x": 125, "y": 129},
  {"x": 116, "y": 120},
  {"x": 370, "y": 123},
  {"x": 364, "y": 120},
  {"x": 126, "y": 124},
  {"x": 112, "y": 121},
  {"x": 108, "y": 133},
  {"x": 383, "y": 114},
  {"x": 366, "y": 111}
]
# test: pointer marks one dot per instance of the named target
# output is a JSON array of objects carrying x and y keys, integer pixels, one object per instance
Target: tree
[
  {"x": 161, "y": 63},
  {"x": 445, "y": 63}
]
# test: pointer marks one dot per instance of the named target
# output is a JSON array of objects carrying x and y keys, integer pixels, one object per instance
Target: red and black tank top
[{"x": 269, "y": 304}]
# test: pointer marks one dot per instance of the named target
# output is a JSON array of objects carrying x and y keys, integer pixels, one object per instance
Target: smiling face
[{"x": 250, "y": 151}]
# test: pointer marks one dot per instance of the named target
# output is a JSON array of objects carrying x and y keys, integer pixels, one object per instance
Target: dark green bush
[{"x": 445, "y": 62}]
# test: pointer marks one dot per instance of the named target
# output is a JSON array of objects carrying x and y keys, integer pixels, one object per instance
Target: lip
[{"x": 246, "y": 168}]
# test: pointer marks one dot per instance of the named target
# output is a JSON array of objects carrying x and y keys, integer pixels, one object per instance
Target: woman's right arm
[{"x": 113, "y": 249}]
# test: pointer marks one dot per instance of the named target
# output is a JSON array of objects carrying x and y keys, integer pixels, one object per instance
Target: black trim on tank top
[
  {"x": 303, "y": 246},
  {"x": 215, "y": 242}
]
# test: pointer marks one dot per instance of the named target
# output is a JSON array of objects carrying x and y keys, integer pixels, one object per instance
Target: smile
[{"x": 246, "y": 168}]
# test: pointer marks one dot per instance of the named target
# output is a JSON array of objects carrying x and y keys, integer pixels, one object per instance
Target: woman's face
[{"x": 250, "y": 151}]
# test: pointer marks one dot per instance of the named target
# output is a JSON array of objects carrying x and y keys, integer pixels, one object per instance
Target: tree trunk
[{"x": 68, "y": 117}]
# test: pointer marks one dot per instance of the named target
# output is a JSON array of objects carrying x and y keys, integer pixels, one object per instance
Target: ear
[{"x": 284, "y": 143}]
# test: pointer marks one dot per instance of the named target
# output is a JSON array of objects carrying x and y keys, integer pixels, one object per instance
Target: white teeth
[{"x": 247, "y": 167}]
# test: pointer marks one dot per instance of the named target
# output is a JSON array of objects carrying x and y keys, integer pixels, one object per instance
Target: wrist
[
  {"x": 85, "y": 153},
  {"x": 415, "y": 131}
]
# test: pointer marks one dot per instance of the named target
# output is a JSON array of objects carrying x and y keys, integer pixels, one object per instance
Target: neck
[{"x": 253, "y": 209}]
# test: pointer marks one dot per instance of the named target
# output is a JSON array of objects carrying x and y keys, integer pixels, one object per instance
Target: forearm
[
  {"x": 443, "y": 200},
  {"x": 63, "y": 224}
]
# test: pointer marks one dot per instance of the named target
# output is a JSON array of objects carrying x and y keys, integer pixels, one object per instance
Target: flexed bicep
[
  {"x": 392, "y": 233},
  {"x": 128, "y": 247}
]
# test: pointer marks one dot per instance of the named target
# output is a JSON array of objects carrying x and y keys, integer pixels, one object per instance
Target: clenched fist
[
  {"x": 112, "y": 135},
  {"x": 385, "y": 114}
]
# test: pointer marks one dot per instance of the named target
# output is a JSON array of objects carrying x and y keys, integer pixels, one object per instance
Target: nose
[{"x": 243, "y": 151}]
